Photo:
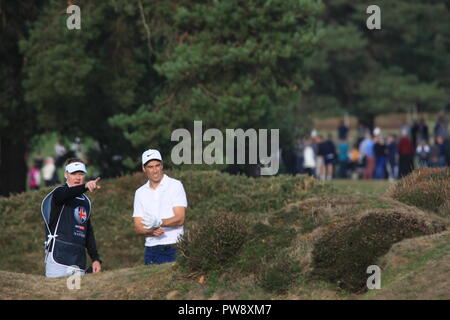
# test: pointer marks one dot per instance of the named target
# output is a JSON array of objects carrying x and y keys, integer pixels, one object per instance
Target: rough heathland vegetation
[
  {"x": 426, "y": 188},
  {"x": 278, "y": 237}
]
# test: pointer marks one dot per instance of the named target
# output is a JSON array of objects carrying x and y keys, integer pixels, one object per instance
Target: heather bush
[
  {"x": 212, "y": 243},
  {"x": 425, "y": 188},
  {"x": 345, "y": 250}
]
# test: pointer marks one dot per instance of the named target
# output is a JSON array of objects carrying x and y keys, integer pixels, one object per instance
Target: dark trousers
[
  {"x": 299, "y": 165},
  {"x": 310, "y": 171},
  {"x": 343, "y": 168},
  {"x": 380, "y": 168},
  {"x": 160, "y": 254},
  {"x": 405, "y": 165}
]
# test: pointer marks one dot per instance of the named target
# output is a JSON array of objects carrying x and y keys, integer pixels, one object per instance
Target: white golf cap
[
  {"x": 76, "y": 166},
  {"x": 151, "y": 154}
]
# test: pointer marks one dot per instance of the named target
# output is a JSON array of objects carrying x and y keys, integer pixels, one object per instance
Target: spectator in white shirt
[
  {"x": 49, "y": 172},
  {"x": 60, "y": 152},
  {"x": 309, "y": 158}
]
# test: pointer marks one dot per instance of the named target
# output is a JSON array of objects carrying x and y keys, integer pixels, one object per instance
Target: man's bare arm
[{"x": 177, "y": 220}]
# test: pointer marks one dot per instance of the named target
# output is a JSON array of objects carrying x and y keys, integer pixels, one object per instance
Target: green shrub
[
  {"x": 279, "y": 277},
  {"x": 425, "y": 188},
  {"x": 343, "y": 253},
  {"x": 212, "y": 243},
  {"x": 265, "y": 244}
]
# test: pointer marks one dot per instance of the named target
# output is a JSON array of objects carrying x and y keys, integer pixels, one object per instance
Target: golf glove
[{"x": 151, "y": 222}]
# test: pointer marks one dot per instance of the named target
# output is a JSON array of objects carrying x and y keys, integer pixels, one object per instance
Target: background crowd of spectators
[{"x": 372, "y": 154}]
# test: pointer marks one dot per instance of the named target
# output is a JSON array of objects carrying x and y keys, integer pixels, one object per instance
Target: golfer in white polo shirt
[{"x": 159, "y": 210}]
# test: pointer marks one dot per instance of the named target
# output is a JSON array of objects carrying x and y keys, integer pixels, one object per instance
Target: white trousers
[{"x": 56, "y": 270}]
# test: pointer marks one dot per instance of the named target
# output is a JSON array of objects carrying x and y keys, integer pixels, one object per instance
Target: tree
[
  {"x": 78, "y": 79},
  {"x": 370, "y": 72},
  {"x": 231, "y": 64},
  {"x": 16, "y": 117}
]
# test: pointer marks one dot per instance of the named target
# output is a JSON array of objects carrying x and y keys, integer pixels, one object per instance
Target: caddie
[
  {"x": 67, "y": 214},
  {"x": 159, "y": 210}
]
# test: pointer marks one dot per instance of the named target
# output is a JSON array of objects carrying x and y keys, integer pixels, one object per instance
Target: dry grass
[{"x": 132, "y": 283}]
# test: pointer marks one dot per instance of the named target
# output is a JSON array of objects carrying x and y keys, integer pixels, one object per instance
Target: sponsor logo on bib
[{"x": 80, "y": 214}]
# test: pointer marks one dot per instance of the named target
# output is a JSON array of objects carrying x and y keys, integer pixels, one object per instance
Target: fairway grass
[{"x": 372, "y": 187}]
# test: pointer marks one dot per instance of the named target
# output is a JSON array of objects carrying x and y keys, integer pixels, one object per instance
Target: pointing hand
[{"x": 92, "y": 185}]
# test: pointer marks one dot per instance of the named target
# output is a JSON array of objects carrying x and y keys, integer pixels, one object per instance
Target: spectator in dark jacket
[
  {"x": 442, "y": 151},
  {"x": 342, "y": 131},
  {"x": 406, "y": 155},
  {"x": 422, "y": 133},
  {"x": 392, "y": 157},
  {"x": 435, "y": 153},
  {"x": 440, "y": 128},
  {"x": 380, "y": 151},
  {"x": 327, "y": 150},
  {"x": 447, "y": 151}
]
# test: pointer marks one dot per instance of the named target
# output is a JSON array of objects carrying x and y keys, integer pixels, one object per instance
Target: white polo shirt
[{"x": 159, "y": 202}]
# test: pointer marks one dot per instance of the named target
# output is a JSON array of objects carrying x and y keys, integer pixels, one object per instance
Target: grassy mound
[
  {"x": 343, "y": 253},
  {"x": 425, "y": 188},
  {"x": 278, "y": 237}
]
